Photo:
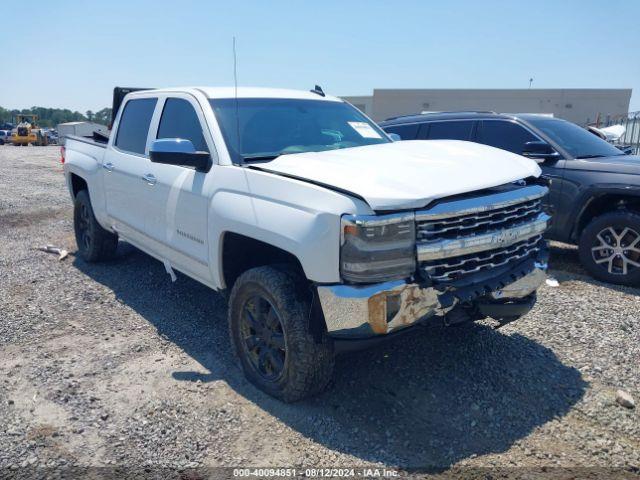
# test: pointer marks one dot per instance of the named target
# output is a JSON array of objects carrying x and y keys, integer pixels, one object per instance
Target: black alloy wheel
[{"x": 263, "y": 337}]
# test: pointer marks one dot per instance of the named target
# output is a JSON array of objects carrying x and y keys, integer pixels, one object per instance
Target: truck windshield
[
  {"x": 579, "y": 142},
  {"x": 270, "y": 127}
]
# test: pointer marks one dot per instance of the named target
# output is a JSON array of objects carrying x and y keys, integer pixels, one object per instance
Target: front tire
[
  {"x": 268, "y": 324},
  {"x": 95, "y": 244},
  {"x": 610, "y": 247}
]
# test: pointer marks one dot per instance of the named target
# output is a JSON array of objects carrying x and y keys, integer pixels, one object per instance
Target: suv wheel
[
  {"x": 94, "y": 242},
  {"x": 610, "y": 248},
  {"x": 268, "y": 324}
]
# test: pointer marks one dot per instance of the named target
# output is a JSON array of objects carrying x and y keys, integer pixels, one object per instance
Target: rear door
[
  {"x": 124, "y": 166},
  {"x": 177, "y": 219}
]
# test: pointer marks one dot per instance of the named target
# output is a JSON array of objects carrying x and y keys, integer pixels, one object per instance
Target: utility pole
[{"x": 530, "y": 82}]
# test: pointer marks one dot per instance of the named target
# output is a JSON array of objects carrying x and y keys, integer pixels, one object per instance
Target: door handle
[
  {"x": 149, "y": 178},
  {"x": 108, "y": 166}
]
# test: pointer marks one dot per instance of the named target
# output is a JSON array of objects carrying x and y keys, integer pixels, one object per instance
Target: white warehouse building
[{"x": 579, "y": 105}]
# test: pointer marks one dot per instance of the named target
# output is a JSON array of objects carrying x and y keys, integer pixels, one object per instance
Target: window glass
[
  {"x": 134, "y": 125},
  {"x": 505, "y": 135},
  {"x": 179, "y": 120},
  {"x": 260, "y": 129},
  {"x": 574, "y": 139},
  {"x": 406, "y": 132},
  {"x": 452, "y": 130}
]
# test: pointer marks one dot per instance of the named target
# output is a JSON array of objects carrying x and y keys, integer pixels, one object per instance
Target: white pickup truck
[{"x": 323, "y": 232}]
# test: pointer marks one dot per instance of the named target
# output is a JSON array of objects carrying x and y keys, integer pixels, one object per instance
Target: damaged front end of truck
[{"x": 461, "y": 259}]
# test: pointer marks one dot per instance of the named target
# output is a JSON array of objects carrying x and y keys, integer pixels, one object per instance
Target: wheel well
[
  {"x": 604, "y": 204},
  {"x": 240, "y": 253},
  {"x": 77, "y": 184}
]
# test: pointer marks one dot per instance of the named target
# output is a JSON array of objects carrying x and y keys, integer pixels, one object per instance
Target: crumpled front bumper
[{"x": 363, "y": 311}]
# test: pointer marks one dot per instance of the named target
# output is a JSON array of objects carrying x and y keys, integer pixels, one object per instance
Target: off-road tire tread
[{"x": 311, "y": 363}]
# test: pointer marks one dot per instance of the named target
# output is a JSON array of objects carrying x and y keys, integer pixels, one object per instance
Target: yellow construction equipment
[{"x": 27, "y": 131}]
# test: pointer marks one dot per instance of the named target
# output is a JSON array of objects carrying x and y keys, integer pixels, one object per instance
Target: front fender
[{"x": 297, "y": 217}]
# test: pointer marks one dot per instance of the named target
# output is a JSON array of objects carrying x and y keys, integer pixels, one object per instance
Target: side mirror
[
  {"x": 394, "y": 137},
  {"x": 539, "y": 151},
  {"x": 180, "y": 152}
]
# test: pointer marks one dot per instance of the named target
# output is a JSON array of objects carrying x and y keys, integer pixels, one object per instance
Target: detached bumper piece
[{"x": 507, "y": 310}]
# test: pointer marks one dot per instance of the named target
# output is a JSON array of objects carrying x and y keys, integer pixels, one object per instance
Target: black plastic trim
[
  {"x": 507, "y": 310},
  {"x": 201, "y": 161}
]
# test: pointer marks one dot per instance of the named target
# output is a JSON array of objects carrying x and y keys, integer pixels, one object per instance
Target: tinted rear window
[
  {"x": 505, "y": 135},
  {"x": 134, "y": 125},
  {"x": 406, "y": 132},
  {"x": 451, "y": 130}
]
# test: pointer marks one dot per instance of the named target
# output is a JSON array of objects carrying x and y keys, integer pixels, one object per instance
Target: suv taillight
[{"x": 62, "y": 152}]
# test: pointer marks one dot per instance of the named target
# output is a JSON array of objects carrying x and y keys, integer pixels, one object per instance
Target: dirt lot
[{"x": 112, "y": 364}]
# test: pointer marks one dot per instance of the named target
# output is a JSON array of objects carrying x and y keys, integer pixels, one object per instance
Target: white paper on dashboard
[{"x": 364, "y": 129}]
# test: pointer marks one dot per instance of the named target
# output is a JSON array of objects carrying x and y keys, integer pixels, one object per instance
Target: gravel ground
[{"x": 113, "y": 365}]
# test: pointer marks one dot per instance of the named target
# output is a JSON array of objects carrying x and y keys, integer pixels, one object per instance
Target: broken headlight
[{"x": 377, "y": 248}]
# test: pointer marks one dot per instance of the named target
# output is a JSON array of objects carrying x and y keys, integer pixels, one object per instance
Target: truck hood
[
  {"x": 407, "y": 174},
  {"x": 629, "y": 164}
]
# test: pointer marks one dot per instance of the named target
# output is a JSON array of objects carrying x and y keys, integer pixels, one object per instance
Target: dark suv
[{"x": 595, "y": 188}]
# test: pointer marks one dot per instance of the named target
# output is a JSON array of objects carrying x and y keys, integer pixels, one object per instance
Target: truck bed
[
  {"x": 90, "y": 149},
  {"x": 98, "y": 139}
]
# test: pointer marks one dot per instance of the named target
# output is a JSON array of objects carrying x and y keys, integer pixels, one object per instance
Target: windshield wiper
[
  {"x": 260, "y": 158},
  {"x": 598, "y": 155},
  {"x": 266, "y": 158}
]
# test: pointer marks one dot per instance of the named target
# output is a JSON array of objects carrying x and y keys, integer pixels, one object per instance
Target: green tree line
[{"x": 50, "y": 117}]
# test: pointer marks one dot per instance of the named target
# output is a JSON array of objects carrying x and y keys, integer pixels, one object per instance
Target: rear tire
[
  {"x": 610, "y": 247},
  {"x": 268, "y": 325},
  {"x": 95, "y": 244}
]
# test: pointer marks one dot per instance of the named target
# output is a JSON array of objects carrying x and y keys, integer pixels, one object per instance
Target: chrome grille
[
  {"x": 464, "y": 236},
  {"x": 456, "y": 267},
  {"x": 478, "y": 223}
]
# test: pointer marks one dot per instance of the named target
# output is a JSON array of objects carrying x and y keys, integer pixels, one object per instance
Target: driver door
[{"x": 178, "y": 211}]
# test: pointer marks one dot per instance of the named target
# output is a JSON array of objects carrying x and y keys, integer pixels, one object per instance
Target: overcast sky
[{"x": 72, "y": 53}]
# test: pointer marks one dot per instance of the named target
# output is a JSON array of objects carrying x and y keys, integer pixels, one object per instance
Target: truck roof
[{"x": 247, "y": 92}]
